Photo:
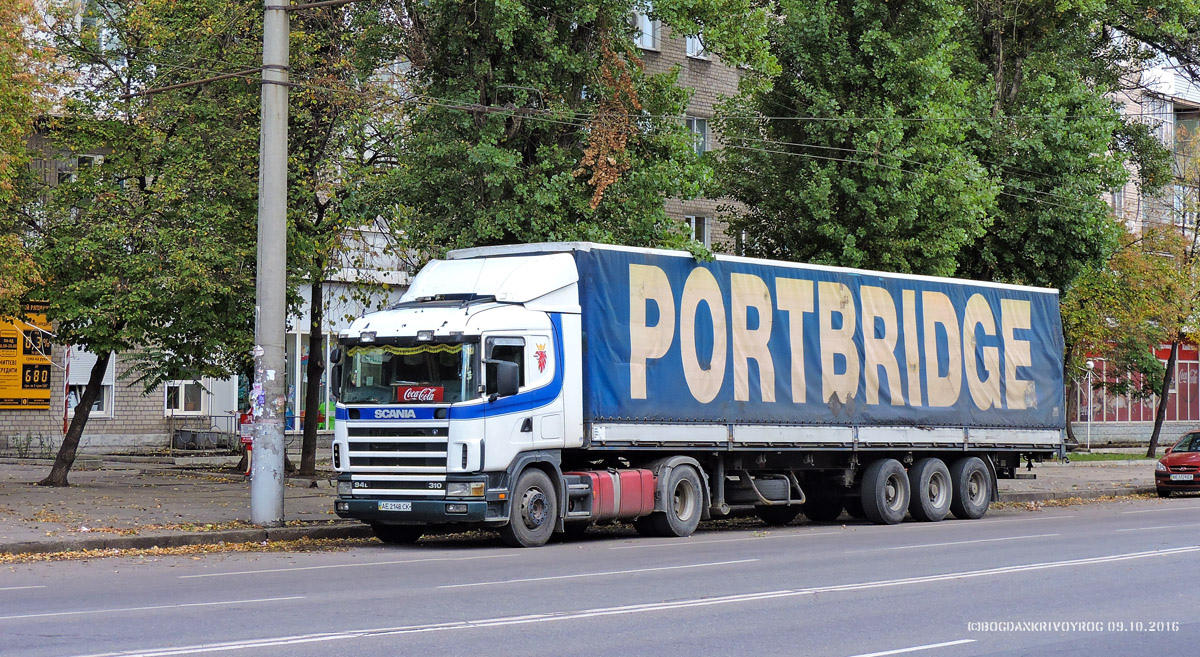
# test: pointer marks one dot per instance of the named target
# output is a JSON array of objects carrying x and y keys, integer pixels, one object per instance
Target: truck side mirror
[
  {"x": 335, "y": 381},
  {"x": 507, "y": 378},
  {"x": 335, "y": 356}
]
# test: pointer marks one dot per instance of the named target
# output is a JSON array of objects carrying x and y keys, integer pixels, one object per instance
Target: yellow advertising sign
[{"x": 25, "y": 360}]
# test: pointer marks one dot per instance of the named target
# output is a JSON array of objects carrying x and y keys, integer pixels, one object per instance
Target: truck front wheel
[
  {"x": 684, "y": 500},
  {"x": 885, "y": 492},
  {"x": 532, "y": 512}
]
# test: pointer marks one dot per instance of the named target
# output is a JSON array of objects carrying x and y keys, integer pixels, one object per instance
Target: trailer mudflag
[{"x": 736, "y": 341}]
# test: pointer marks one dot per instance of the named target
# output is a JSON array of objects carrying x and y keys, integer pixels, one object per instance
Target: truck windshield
[{"x": 421, "y": 373}]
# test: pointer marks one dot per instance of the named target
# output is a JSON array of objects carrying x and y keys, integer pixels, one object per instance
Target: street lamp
[{"x": 1091, "y": 367}]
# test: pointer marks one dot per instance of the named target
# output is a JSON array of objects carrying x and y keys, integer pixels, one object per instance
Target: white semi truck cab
[{"x": 550, "y": 387}]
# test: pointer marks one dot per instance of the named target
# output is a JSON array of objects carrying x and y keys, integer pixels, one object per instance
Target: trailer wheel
[
  {"x": 929, "y": 481},
  {"x": 777, "y": 515},
  {"x": 972, "y": 492},
  {"x": 396, "y": 534},
  {"x": 684, "y": 498},
  {"x": 885, "y": 492},
  {"x": 822, "y": 506},
  {"x": 533, "y": 511},
  {"x": 854, "y": 507}
]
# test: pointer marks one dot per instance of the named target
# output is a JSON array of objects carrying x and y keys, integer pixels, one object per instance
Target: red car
[{"x": 1179, "y": 469}]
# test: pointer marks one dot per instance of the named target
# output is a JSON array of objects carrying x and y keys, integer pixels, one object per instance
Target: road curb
[
  {"x": 1090, "y": 494},
  {"x": 142, "y": 542}
]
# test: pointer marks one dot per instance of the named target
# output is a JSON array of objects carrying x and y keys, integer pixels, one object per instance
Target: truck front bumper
[{"x": 411, "y": 511}]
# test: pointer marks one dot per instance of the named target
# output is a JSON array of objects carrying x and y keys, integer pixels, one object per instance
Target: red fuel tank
[{"x": 620, "y": 494}]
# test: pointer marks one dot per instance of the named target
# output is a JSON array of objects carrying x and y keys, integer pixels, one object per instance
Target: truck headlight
[
  {"x": 465, "y": 489},
  {"x": 345, "y": 488},
  {"x": 1160, "y": 467}
]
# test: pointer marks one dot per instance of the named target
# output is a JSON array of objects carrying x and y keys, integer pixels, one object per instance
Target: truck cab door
[
  {"x": 543, "y": 362},
  {"x": 506, "y": 431},
  {"x": 541, "y": 424}
]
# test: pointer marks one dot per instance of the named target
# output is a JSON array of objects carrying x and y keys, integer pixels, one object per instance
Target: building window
[
  {"x": 1160, "y": 114},
  {"x": 102, "y": 407},
  {"x": 297, "y": 383},
  {"x": 185, "y": 398},
  {"x": 700, "y": 229},
  {"x": 645, "y": 29},
  {"x": 77, "y": 378},
  {"x": 1186, "y": 200},
  {"x": 699, "y": 129},
  {"x": 695, "y": 47}
]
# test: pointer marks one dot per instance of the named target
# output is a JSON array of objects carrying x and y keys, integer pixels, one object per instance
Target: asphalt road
[{"x": 1105, "y": 579}]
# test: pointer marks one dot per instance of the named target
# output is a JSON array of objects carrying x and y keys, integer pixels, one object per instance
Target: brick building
[{"x": 710, "y": 80}]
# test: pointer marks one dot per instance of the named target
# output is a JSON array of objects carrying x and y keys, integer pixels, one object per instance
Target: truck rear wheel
[
  {"x": 532, "y": 512},
  {"x": 684, "y": 498},
  {"x": 929, "y": 480},
  {"x": 396, "y": 534},
  {"x": 972, "y": 489},
  {"x": 777, "y": 515},
  {"x": 885, "y": 492}
]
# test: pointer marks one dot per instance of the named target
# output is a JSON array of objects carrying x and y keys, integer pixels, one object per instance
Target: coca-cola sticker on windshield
[{"x": 418, "y": 394}]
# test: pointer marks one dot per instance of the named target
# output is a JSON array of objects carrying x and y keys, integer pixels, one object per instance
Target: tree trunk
[
  {"x": 1161, "y": 412},
  {"x": 312, "y": 392},
  {"x": 70, "y": 443}
]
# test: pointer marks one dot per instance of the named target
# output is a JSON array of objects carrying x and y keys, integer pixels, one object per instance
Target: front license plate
[
  {"x": 1182, "y": 477},
  {"x": 395, "y": 506}
]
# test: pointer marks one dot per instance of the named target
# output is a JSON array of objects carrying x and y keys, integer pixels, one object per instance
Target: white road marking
[
  {"x": 1170, "y": 508},
  {"x": 600, "y": 574},
  {"x": 1138, "y": 529},
  {"x": 175, "y": 606},
  {"x": 720, "y": 540},
  {"x": 928, "y": 646},
  {"x": 19, "y": 588},
  {"x": 347, "y": 565},
  {"x": 628, "y": 609},
  {"x": 980, "y": 540}
]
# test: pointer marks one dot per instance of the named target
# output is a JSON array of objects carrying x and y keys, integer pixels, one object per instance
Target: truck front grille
[{"x": 397, "y": 460}]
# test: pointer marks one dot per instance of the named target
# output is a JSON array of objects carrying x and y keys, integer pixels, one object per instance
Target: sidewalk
[
  {"x": 130, "y": 505},
  {"x": 126, "y": 505}
]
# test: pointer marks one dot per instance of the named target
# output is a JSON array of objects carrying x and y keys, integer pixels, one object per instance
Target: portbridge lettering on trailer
[{"x": 742, "y": 342}]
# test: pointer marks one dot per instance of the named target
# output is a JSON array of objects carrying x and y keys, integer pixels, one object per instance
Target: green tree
[
  {"x": 22, "y": 97},
  {"x": 1120, "y": 311},
  {"x": 1181, "y": 318},
  {"x": 148, "y": 250},
  {"x": 856, "y": 156},
  {"x": 937, "y": 137},
  {"x": 1053, "y": 138},
  {"x": 338, "y": 54},
  {"x": 536, "y": 121}
]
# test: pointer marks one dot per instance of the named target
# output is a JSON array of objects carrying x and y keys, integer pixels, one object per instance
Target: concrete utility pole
[{"x": 269, "y": 392}]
